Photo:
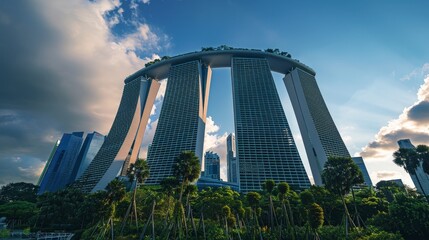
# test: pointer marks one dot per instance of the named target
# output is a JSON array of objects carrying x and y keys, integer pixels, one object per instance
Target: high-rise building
[
  {"x": 54, "y": 149},
  {"x": 122, "y": 145},
  {"x": 420, "y": 178},
  {"x": 59, "y": 172},
  {"x": 182, "y": 120},
  {"x": 265, "y": 146},
  {"x": 212, "y": 165},
  {"x": 90, "y": 147},
  {"x": 360, "y": 163},
  {"x": 398, "y": 182},
  {"x": 319, "y": 133},
  {"x": 232, "y": 167}
]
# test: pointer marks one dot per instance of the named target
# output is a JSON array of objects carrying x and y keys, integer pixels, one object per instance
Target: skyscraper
[
  {"x": 182, "y": 120},
  {"x": 319, "y": 133},
  {"x": 360, "y": 163},
  {"x": 420, "y": 178},
  {"x": 54, "y": 149},
  {"x": 59, "y": 171},
  {"x": 265, "y": 146},
  {"x": 90, "y": 147},
  {"x": 122, "y": 144},
  {"x": 212, "y": 165},
  {"x": 231, "y": 160}
]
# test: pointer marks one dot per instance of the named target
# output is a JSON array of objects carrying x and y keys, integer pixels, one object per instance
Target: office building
[
  {"x": 420, "y": 178},
  {"x": 231, "y": 160},
  {"x": 265, "y": 146},
  {"x": 42, "y": 175},
  {"x": 360, "y": 163},
  {"x": 182, "y": 120},
  {"x": 90, "y": 147},
  {"x": 59, "y": 172},
  {"x": 122, "y": 145},
  {"x": 319, "y": 133},
  {"x": 211, "y": 165}
]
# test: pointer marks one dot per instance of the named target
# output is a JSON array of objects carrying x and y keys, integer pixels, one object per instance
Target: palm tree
[
  {"x": 409, "y": 159},
  {"x": 340, "y": 175},
  {"x": 423, "y": 153},
  {"x": 253, "y": 199},
  {"x": 186, "y": 169},
  {"x": 138, "y": 172},
  {"x": 284, "y": 189},
  {"x": 315, "y": 218},
  {"x": 269, "y": 186},
  {"x": 115, "y": 193},
  {"x": 168, "y": 185}
]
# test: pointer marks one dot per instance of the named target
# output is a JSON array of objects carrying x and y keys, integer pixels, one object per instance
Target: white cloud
[
  {"x": 82, "y": 61},
  {"x": 418, "y": 72},
  {"x": 412, "y": 123},
  {"x": 213, "y": 141}
]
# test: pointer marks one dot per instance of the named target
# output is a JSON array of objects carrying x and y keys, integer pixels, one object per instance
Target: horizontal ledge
[{"x": 219, "y": 59}]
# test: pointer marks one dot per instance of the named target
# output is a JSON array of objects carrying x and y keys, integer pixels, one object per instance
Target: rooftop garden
[{"x": 224, "y": 48}]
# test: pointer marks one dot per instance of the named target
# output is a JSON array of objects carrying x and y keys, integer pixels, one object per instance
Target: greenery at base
[{"x": 177, "y": 210}]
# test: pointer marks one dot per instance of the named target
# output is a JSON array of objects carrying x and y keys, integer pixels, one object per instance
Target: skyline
[{"x": 65, "y": 65}]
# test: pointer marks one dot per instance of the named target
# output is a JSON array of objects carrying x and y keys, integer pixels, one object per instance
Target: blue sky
[{"x": 371, "y": 60}]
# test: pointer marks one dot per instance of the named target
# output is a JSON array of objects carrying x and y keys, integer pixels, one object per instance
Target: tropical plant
[
  {"x": 340, "y": 175},
  {"x": 20, "y": 191},
  {"x": 138, "y": 172}
]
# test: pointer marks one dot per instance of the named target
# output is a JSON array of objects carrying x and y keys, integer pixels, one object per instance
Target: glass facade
[
  {"x": 231, "y": 160},
  {"x": 319, "y": 133},
  {"x": 59, "y": 172},
  {"x": 90, "y": 147},
  {"x": 126, "y": 131},
  {"x": 212, "y": 165},
  {"x": 182, "y": 119},
  {"x": 265, "y": 146},
  {"x": 361, "y": 164}
]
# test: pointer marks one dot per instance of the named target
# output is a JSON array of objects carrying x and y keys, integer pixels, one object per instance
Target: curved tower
[{"x": 122, "y": 144}]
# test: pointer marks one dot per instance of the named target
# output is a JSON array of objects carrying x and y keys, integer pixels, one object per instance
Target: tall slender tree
[
  {"x": 409, "y": 160},
  {"x": 115, "y": 193},
  {"x": 186, "y": 170},
  {"x": 138, "y": 172},
  {"x": 269, "y": 186},
  {"x": 423, "y": 155},
  {"x": 340, "y": 175}
]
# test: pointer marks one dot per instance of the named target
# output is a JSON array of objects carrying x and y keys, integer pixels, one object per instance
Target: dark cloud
[
  {"x": 60, "y": 74},
  {"x": 62, "y": 71},
  {"x": 419, "y": 112},
  {"x": 39, "y": 94},
  {"x": 388, "y": 142}
]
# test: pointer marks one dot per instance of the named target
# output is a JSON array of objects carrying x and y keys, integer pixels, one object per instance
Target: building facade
[
  {"x": 122, "y": 145},
  {"x": 265, "y": 148},
  {"x": 318, "y": 130},
  {"x": 182, "y": 120},
  {"x": 211, "y": 165},
  {"x": 361, "y": 164},
  {"x": 59, "y": 171},
  {"x": 420, "y": 178},
  {"x": 231, "y": 160},
  {"x": 90, "y": 148},
  {"x": 42, "y": 175}
]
